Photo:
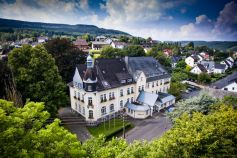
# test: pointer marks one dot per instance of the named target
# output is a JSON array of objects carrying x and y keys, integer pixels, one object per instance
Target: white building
[
  {"x": 120, "y": 45},
  {"x": 229, "y": 62},
  {"x": 193, "y": 60},
  {"x": 101, "y": 88},
  {"x": 228, "y": 83},
  {"x": 198, "y": 69}
]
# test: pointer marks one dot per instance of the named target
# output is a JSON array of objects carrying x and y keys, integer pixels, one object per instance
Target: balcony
[
  {"x": 75, "y": 97},
  {"x": 132, "y": 92},
  {"x": 82, "y": 101},
  {"x": 128, "y": 93},
  {"x": 79, "y": 99},
  {"x": 167, "y": 82},
  {"x": 121, "y": 95},
  {"x": 103, "y": 100}
]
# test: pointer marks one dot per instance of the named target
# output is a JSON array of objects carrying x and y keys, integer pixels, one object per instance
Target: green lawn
[
  {"x": 108, "y": 129},
  {"x": 94, "y": 51},
  {"x": 96, "y": 56}
]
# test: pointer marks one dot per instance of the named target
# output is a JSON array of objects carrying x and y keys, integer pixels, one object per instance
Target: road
[{"x": 149, "y": 129}]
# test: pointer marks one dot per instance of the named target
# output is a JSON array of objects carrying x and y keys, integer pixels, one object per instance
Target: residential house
[
  {"x": 193, "y": 60},
  {"x": 229, "y": 62},
  {"x": 120, "y": 45},
  {"x": 42, "y": 39},
  {"x": 204, "y": 55},
  {"x": 100, "y": 38},
  {"x": 174, "y": 60},
  {"x": 199, "y": 68},
  {"x": 101, "y": 88},
  {"x": 97, "y": 45},
  {"x": 167, "y": 52},
  {"x": 81, "y": 44},
  {"x": 219, "y": 68},
  {"x": 228, "y": 83}
]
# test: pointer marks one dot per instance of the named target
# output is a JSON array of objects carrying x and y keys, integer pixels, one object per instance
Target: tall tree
[
  {"x": 66, "y": 56},
  {"x": 37, "y": 78},
  {"x": 23, "y": 133},
  {"x": 134, "y": 51}
]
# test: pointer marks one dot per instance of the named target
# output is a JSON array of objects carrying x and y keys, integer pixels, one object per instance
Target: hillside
[
  {"x": 78, "y": 29},
  {"x": 221, "y": 45}
]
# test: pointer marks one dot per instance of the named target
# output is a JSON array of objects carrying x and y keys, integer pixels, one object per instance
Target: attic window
[
  {"x": 123, "y": 81},
  {"x": 129, "y": 80}
]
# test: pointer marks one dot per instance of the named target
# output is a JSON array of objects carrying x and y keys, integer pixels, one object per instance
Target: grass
[
  {"x": 109, "y": 128},
  {"x": 95, "y": 51},
  {"x": 96, "y": 56}
]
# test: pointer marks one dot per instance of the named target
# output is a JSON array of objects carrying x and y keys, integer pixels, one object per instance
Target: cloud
[
  {"x": 53, "y": 11},
  {"x": 202, "y": 19},
  {"x": 226, "y": 23}
]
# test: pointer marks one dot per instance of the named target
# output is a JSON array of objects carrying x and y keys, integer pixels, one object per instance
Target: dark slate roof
[
  {"x": 109, "y": 73},
  {"x": 195, "y": 57},
  {"x": 150, "y": 66},
  {"x": 219, "y": 66},
  {"x": 201, "y": 67},
  {"x": 175, "y": 59},
  {"x": 225, "y": 81}
]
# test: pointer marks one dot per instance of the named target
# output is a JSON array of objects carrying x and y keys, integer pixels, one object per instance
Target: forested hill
[
  {"x": 80, "y": 28},
  {"x": 221, "y": 45}
]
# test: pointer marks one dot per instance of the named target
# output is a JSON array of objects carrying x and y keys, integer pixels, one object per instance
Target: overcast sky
[{"x": 160, "y": 19}]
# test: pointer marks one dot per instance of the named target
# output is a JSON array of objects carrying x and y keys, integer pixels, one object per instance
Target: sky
[{"x": 165, "y": 20}]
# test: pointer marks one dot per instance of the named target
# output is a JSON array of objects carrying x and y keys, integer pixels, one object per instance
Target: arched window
[{"x": 90, "y": 114}]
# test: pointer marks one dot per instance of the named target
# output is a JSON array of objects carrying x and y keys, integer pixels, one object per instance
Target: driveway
[{"x": 149, "y": 129}]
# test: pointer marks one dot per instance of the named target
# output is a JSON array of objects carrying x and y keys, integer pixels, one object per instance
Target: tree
[
  {"x": 176, "y": 89},
  {"x": 66, "y": 56},
  {"x": 204, "y": 78},
  {"x": 212, "y": 135},
  {"x": 87, "y": 37},
  {"x": 163, "y": 60},
  {"x": 181, "y": 64},
  {"x": 190, "y": 45},
  {"x": 24, "y": 134},
  {"x": 134, "y": 51},
  {"x": 37, "y": 77},
  {"x": 5, "y": 77},
  {"x": 201, "y": 103},
  {"x": 110, "y": 52}
]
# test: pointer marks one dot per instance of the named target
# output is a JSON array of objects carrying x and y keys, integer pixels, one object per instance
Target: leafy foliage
[
  {"x": 201, "y": 103},
  {"x": 132, "y": 51},
  {"x": 176, "y": 89},
  {"x": 204, "y": 78},
  {"x": 23, "y": 133},
  {"x": 212, "y": 135},
  {"x": 37, "y": 77},
  {"x": 66, "y": 56}
]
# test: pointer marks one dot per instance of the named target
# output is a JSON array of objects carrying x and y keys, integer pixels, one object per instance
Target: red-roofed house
[
  {"x": 81, "y": 44},
  {"x": 167, "y": 52}
]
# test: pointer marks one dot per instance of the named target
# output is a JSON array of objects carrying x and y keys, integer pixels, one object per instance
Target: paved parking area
[{"x": 149, "y": 129}]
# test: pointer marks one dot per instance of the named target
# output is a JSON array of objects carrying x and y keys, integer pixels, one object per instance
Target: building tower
[{"x": 89, "y": 79}]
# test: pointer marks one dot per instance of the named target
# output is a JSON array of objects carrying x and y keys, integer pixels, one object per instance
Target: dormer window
[
  {"x": 129, "y": 80},
  {"x": 123, "y": 81}
]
